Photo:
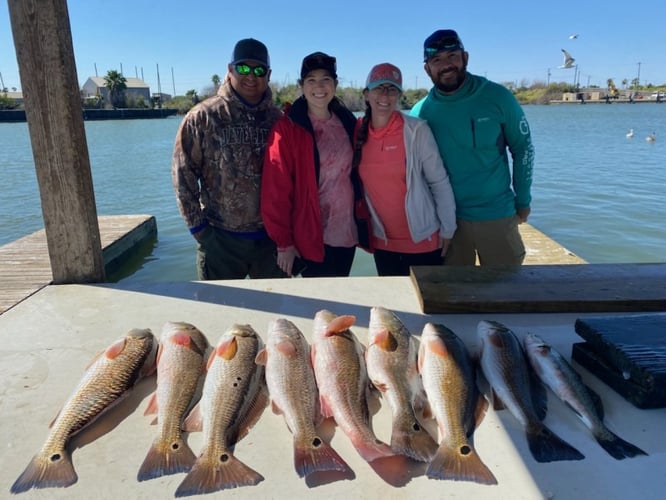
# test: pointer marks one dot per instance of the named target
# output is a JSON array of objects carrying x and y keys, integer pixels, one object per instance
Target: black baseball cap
[
  {"x": 250, "y": 49},
  {"x": 440, "y": 41},
  {"x": 319, "y": 60}
]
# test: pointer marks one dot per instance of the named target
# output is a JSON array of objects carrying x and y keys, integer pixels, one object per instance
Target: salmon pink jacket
[{"x": 290, "y": 180}]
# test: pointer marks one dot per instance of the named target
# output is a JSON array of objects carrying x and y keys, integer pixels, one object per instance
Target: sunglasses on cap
[
  {"x": 245, "y": 69},
  {"x": 444, "y": 44}
]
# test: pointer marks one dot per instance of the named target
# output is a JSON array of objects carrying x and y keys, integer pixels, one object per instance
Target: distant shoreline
[{"x": 18, "y": 115}]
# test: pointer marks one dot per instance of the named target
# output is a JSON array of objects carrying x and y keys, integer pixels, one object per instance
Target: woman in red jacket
[{"x": 307, "y": 195}]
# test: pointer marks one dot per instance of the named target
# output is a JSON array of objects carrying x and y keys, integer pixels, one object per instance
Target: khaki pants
[{"x": 495, "y": 242}]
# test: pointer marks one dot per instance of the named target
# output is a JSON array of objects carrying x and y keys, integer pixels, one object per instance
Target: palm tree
[
  {"x": 116, "y": 84},
  {"x": 216, "y": 81}
]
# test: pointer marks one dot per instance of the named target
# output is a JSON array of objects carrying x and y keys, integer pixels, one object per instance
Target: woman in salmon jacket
[{"x": 307, "y": 195}]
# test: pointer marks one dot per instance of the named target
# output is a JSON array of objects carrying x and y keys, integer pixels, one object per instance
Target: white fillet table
[{"x": 49, "y": 339}]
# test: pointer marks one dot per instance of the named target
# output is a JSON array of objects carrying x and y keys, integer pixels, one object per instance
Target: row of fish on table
[{"x": 235, "y": 380}]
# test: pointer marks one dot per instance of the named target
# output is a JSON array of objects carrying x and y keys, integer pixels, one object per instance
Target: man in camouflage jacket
[{"x": 216, "y": 170}]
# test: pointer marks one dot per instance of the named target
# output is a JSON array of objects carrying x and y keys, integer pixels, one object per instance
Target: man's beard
[{"x": 451, "y": 87}]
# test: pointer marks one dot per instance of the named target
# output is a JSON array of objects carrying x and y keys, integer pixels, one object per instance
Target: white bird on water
[
  {"x": 630, "y": 134},
  {"x": 568, "y": 60},
  {"x": 652, "y": 137}
]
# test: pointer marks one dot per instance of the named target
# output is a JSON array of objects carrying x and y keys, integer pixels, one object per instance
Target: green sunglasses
[{"x": 258, "y": 71}]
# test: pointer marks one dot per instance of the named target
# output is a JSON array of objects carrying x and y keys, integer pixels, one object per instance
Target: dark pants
[
  {"x": 337, "y": 262},
  {"x": 225, "y": 256},
  {"x": 397, "y": 264}
]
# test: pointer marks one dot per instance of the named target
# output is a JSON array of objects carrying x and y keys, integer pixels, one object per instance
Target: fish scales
[
  {"x": 233, "y": 398},
  {"x": 337, "y": 351},
  {"x": 294, "y": 394},
  {"x": 106, "y": 381},
  {"x": 391, "y": 361},
  {"x": 180, "y": 366},
  {"x": 566, "y": 383},
  {"x": 450, "y": 383},
  {"x": 506, "y": 368}
]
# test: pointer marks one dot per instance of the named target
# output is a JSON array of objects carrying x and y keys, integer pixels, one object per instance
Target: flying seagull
[
  {"x": 568, "y": 60},
  {"x": 573, "y": 37}
]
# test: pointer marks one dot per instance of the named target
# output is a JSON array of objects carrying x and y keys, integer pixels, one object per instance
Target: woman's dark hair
[{"x": 361, "y": 136}]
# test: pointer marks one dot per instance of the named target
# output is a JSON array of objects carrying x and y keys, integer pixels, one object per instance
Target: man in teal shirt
[{"x": 477, "y": 123}]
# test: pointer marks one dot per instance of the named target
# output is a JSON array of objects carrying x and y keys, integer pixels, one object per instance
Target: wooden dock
[{"x": 25, "y": 267}]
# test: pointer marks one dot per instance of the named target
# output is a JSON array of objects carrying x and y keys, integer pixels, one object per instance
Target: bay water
[{"x": 596, "y": 192}]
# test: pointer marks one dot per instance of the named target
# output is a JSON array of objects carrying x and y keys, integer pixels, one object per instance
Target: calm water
[{"x": 596, "y": 192}]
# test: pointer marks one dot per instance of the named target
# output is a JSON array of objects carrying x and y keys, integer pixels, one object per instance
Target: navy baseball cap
[
  {"x": 440, "y": 41},
  {"x": 250, "y": 49}
]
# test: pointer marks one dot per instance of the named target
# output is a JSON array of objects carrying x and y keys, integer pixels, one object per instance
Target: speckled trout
[
  {"x": 109, "y": 377},
  {"x": 391, "y": 363},
  {"x": 180, "y": 366},
  {"x": 515, "y": 387},
  {"x": 565, "y": 382},
  {"x": 233, "y": 398}
]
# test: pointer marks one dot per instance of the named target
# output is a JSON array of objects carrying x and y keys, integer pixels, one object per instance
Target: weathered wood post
[{"x": 45, "y": 55}]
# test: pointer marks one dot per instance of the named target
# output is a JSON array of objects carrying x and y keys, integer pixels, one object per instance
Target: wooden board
[
  {"x": 628, "y": 353},
  {"x": 541, "y": 288}
]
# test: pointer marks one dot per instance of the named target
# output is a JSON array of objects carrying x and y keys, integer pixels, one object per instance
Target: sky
[{"x": 186, "y": 43}]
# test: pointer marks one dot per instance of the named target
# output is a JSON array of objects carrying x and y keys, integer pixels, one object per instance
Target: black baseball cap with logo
[
  {"x": 441, "y": 41},
  {"x": 251, "y": 50}
]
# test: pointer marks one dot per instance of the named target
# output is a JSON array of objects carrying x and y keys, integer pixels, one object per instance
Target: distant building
[
  {"x": 136, "y": 89},
  {"x": 16, "y": 96}
]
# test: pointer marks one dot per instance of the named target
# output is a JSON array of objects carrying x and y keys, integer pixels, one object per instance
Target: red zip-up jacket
[{"x": 290, "y": 181}]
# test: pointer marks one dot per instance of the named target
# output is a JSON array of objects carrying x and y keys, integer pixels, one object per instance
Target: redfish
[
  {"x": 450, "y": 383},
  {"x": 342, "y": 379},
  {"x": 514, "y": 386},
  {"x": 293, "y": 391},
  {"x": 565, "y": 382},
  {"x": 180, "y": 366},
  {"x": 109, "y": 377},
  {"x": 391, "y": 364},
  {"x": 234, "y": 397}
]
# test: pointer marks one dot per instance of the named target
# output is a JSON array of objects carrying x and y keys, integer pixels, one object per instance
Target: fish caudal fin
[
  {"x": 53, "y": 471},
  {"x": 459, "y": 464},
  {"x": 414, "y": 442},
  {"x": 210, "y": 474},
  {"x": 372, "y": 450},
  {"x": 617, "y": 447},
  {"x": 547, "y": 447},
  {"x": 165, "y": 458},
  {"x": 319, "y": 457}
]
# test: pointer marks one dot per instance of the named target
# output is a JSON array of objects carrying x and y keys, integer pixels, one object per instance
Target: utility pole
[
  {"x": 638, "y": 78},
  {"x": 548, "y": 78}
]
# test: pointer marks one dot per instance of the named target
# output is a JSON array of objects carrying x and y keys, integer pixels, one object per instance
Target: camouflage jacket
[{"x": 217, "y": 161}]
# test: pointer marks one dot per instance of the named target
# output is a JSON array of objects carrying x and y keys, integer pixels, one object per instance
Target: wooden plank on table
[{"x": 541, "y": 288}]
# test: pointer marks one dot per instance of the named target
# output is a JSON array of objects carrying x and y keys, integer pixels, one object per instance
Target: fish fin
[
  {"x": 385, "y": 340},
  {"x": 372, "y": 450},
  {"x": 462, "y": 464},
  {"x": 115, "y": 349},
  {"x": 326, "y": 409},
  {"x": 498, "y": 404},
  {"x": 227, "y": 350},
  {"x": 209, "y": 475},
  {"x": 261, "y": 356},
  {"x": 151, "y": 409},
  {"x": 165, "y": 458},
  {"x": 340, "y": 324},
  {"x": 319, "y": 456},
  {"x": 480, "y": 410},
  {"x": 275, "y": 408},
  {"x": 546, "y": 446},
  {"x": 194, "y": 420},
  {"x": 617, "y": 447},
  {"x": 54, "y": 471},
  {"x": 413, "y": 441},
  {"x": 256, "y": 408}
]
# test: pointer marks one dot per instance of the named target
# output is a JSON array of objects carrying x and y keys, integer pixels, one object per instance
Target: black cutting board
[{"x": 628, "y": 353}]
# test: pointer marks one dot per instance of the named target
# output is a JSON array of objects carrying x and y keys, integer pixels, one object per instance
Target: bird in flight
[
  {"x": 568, "y": 60},
  {"x": 573, "y": 37}
]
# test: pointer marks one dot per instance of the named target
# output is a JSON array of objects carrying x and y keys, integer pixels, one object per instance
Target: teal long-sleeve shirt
[{"x": 476, "y": 128}]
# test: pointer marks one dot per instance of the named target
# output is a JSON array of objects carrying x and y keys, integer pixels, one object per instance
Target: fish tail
[
  {"x": 548, "y": 447},
  {"x": 372, "y": 450},
  {"x": 617, "y": 447},
  {"x": 459, "y": 464},
  {"x": 415, "y": 443},
  {"x": 318, "y": 457},
  {"x": 52, "y": 471},
  {"x": 165, "y": 458},
  {"x": 210, "y": 474}
]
